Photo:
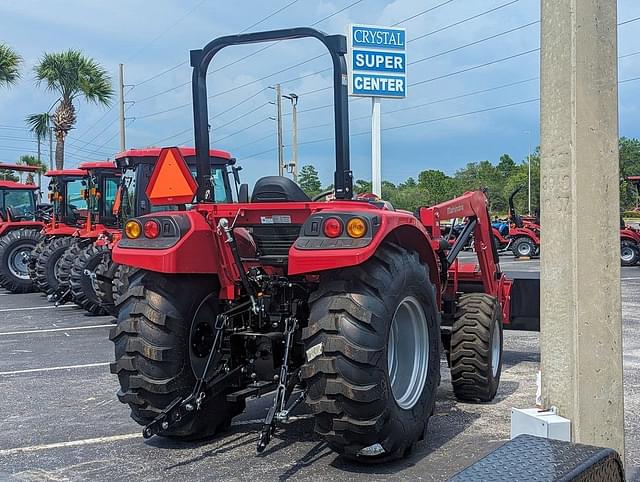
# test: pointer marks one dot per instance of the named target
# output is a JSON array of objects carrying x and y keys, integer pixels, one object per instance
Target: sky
[{"x": 466, "y": 111}]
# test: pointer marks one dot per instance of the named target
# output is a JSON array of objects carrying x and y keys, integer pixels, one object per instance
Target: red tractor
[
  {"x": 521, "y": 235},
  {"x": 69, "y": 213},
  {"x": 89, "y": 243},
  {"x": 343, "y": 304},
  {"x": 136, "y": 165},
  {"x": 20, "y": 225},
  {"x": 629, "y": 244}
]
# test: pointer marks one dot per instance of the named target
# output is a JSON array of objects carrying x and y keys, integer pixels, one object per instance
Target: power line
[
  {"x": 430, "y": 9},
  {"x": 244, "y": 58},
  {"x": 629, "y": 21},
  {"x": 171, "y": 69},
  {"x": 464, "y": 20}
]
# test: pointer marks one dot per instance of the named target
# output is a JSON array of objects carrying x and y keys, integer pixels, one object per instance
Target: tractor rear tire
[
  {"x": 15, "y": 249},
  {"x": 82, "y": 286},
  {"x": 63, "y": 268},
  {"x": 629, "y": 253},
  {"x": 33, "y": 258},
  {"x": 105, "y": 273},
  {"x": 47, "y": 263},
  {"x": 476, "y": 348},
  {"x": 373, "y": 356},
  {"x": 523, "y": 247},
  {"x": 153, "y": 353}
]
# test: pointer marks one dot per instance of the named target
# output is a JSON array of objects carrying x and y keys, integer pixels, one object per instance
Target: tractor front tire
[
  {"x": 47, "y": 263},
  {"x": 523, "y": 247},
  {"x": 154, "y": 357},
  {"x": 629, "y": 253},
  {"x": 15, "y": 249},
  {"x": 81, "y": 284},
  {"x": 476, "y": 348},
  {"x": 373, "y": 356},
  {"x": 105, "y": 273}
]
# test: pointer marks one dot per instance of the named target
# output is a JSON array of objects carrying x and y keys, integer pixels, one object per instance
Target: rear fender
[
  {"x": 396, "y": 227},
  {"x": 194, "y": 251}
]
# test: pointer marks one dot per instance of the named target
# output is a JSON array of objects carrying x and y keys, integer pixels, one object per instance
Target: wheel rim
[
  {"x": 626, "y": 253},
  {"x": 495, "y": 348},
  {"x": 201, "y": 338},
  {"x": 19, "y": 261},
  {"x": 408, "y": 353},
  {"x": 524, "y": 249}
]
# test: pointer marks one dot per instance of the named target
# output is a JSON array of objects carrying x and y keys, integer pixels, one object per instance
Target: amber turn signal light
[
  {"x": 132, "y": 229},
  {"x": 356, "y": 227}
]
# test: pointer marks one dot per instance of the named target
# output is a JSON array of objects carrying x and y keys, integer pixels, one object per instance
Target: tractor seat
[{"x": 277, "y": 189}]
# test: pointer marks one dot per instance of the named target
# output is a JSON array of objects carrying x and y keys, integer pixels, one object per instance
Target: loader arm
[{"x": 473, "y": 206}]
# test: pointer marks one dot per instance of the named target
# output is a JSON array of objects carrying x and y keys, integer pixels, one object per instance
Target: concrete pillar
[{"x": 581, "y": 328}]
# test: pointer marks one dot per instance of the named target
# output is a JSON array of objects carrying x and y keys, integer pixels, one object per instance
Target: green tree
[
  {"x": 8, "y": 175},
  {"x": 309, "y": 180},
  {"x": 39, "y": 126},
  {"x": 629, "y": 166},
  {"x": 28, "y": 160},
  {"x": 362, "y": 187},
  {"x": 505, "y": 166},
  {"x": 72, "y": 75},
  {"x": 436, "y": 185},
  {"x": 9, "y": 66}
]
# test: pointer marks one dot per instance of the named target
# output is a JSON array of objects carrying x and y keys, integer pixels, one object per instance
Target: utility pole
[
  {"x": 279, "y": 136},
  {"x": 580, "y": 310},
  {"x": 51, "y": 148},
  {"x": 294, "y": 135},
  {"x": 376, "y": 148},
  {"x": 122, "y": 132}
]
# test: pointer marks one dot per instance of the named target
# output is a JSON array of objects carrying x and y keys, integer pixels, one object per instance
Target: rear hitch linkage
[{"x": 278, "y": 411}]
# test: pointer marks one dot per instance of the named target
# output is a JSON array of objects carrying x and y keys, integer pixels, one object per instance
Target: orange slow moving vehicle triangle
[{"x": 171, "y": 181}]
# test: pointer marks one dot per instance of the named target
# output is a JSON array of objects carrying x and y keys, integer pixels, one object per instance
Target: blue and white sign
[{"x": 377, "y": 61}]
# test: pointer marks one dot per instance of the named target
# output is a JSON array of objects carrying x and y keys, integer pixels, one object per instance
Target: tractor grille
[{"x": 274, "y": 240}]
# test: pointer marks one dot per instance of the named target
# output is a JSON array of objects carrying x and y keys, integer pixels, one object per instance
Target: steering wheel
[{"x": 317, "y": 197}]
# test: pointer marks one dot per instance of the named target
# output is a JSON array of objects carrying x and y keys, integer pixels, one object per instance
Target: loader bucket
[{"x": 525, "y": 301}]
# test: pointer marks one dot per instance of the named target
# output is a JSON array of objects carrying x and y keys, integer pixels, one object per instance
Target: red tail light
[
  {"x": 332, "y": 227},
  {"x": 151, "y": 229}
]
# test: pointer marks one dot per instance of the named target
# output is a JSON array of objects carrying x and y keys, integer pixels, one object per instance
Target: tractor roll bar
[{"x": 200, "y": 59}]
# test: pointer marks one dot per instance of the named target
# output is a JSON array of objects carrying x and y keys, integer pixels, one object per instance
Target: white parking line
[
  {"x": 116, "y": 438},
  {"x": 50, "y": 369},
  {"x": 48, "y": 307},
  {"x": 50, "y": 330},
  {"x": 72, "y": 443}
]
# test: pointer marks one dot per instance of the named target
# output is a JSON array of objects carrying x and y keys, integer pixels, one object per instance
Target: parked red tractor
[
  {"x": 346, "y": 300},
  {"x": 89, "y": 244},
  {"x": 20, "y": 225},
  {"x": 629, "y": 244},
  {"x": 136, "y": 166},
  {"x": 521, "y": 235},
  {"x": 69, "y": 213}
]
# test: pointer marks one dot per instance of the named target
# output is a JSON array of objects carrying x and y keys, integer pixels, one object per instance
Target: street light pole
[{"x": 294, "y": 134}]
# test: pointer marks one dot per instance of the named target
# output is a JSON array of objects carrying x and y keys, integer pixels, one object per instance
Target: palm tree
[
  {"x": 9, "y": 66},
  {"x": 28, "y": 160},
  {"x": 72, "y": 75},
  {"x": 39, "y": 127}
]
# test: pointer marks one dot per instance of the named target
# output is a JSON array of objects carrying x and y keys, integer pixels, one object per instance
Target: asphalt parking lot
[{"x": 60, "y": 419}]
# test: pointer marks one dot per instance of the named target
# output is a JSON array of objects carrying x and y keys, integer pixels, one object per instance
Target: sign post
[{"x": 377, "y": 68}]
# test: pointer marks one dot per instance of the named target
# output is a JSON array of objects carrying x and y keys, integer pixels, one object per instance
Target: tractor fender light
[
  {"x": 151, "y": 229},
  {"x": 132, "y": 229},
  {"x": 356, "y": 227},
  {"x": 332, "y": 227}
]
